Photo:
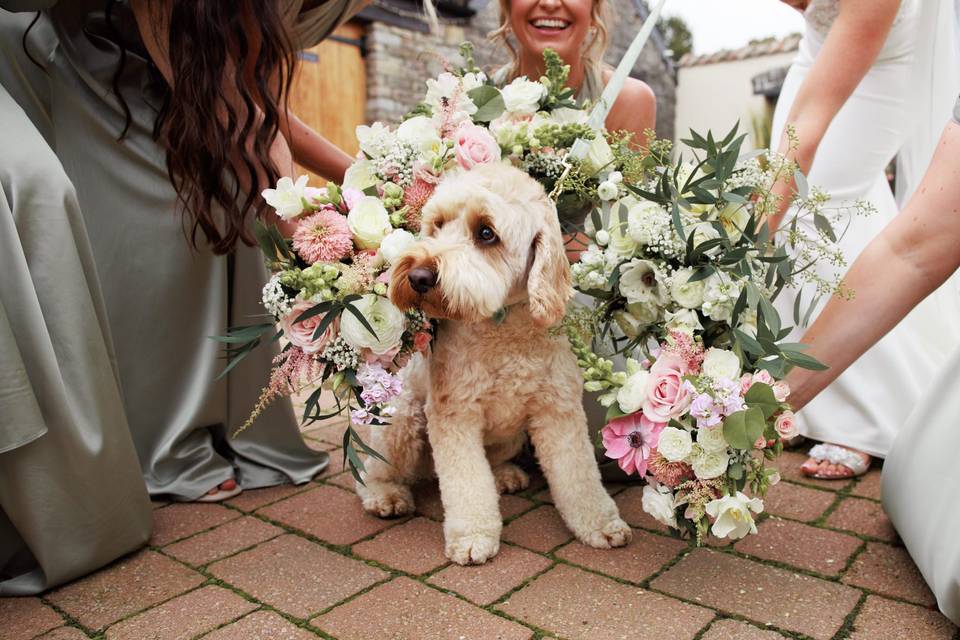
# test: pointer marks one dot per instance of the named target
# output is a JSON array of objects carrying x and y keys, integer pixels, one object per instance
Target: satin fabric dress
[{"x": 866, "y": 406}]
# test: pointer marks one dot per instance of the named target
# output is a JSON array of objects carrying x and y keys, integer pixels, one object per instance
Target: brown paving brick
[
  {"x": 612, "y": 488},
  {"x": 882, "y": 619},
  {"x": 541, "y": 530},
  {"x": 801, "y": 545},
  {"x": 261, "y": 625},
  {"x": 869, "y": 485},
  {"x": 407, "y": 610},
  {"x": 331, "y": 431},
  {"x": 789, "y": 465},
  {"x": 736, "y": 630},
  {"x": 295, "y": 575},
  {"x": 800, "y": 503},
  {"x": 64, "y": 633},
  {"x": 335, "y": 466},
  {"x": 890, "y": 571},
  {"x": 181, "y": 520},
  {"x": 343, "y": 480},
  {"x": 183, "y": 617},
  {"x": 223, "y": 541},
  {"x": 637, "y": 561},
  {"x": 631, "y": 510},
  {"x": 415, "y": 546},
  {"x": 576, "y": 604},
  {"x": 764, "y": 594},
  {"x": 252, "y": 499},
  {"x": 22, "y": 618},
  {"x": 511, "y": 506},
  {"x": 864, "y": 517},
  {"x": 485, "y": 583},
  {"x": 129, "y": 585},
  {"x": 331, "y": 514}
]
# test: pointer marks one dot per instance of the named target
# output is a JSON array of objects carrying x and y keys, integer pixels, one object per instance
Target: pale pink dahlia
[
  {"x": 630, "y": 440},
  {"x": 323, "y": 237}
]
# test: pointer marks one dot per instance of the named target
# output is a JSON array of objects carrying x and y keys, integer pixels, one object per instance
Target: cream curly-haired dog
[{"x": 491, "y": 243}]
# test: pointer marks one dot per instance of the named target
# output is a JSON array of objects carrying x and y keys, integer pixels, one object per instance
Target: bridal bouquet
[{"x": 683, "y": 341}]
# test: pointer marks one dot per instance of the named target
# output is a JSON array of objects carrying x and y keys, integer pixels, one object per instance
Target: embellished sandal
[
  {"x": 835, "y": 454},
  {"x": 220, "y": 494}
]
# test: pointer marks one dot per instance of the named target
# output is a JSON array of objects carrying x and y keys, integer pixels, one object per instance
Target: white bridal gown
[{"x": 898, "y": 110}]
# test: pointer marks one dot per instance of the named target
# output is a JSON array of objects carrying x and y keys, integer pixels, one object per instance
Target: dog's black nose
[{"x": 422, "y": 279}]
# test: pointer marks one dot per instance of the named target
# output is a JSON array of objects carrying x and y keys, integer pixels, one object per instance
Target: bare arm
[
  {"x": 913, "y": 256},
  {"x": 851, "y": 48},
  {"x": 315, "y": 152}
]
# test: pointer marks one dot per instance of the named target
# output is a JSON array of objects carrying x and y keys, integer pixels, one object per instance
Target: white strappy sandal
[{"x": 835, "y": 454}]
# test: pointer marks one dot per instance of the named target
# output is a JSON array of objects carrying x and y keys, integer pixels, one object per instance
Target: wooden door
[{"x": 330, "y": 89}]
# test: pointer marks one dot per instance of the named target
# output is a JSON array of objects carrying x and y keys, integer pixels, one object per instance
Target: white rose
[
  {"x": 660, "y": 506},
  {"x": 675, "y": 444},
  {"x": 288, "y": 197},
  {"x": 375, "y": 140},
  {"x": 631, "y": 395},
  {"x": 607, "y": 190},
  {"x": 387, "y": 321},
  {"x": 687, "y": 294},
  {"x": 523, "y": 96},
  {"x": 708, "y": 464},
  {"x": 711, "y": 439},
  {"x": 640, "y": 281},
  {"x": 369, "y": 222},
  {"x": 719, "y": 364},
  {"x": 643, "y": 218},
  {"x": 599, "y": 156},
  {"x": 396, "y": 243},
  {"x": 360, "y": 175},
  {"x": 421, "y": 133},
  {"x": 685, "y": 321},
  {"x": 734, "y": 218},
  {"x": 732, "y": 517}
]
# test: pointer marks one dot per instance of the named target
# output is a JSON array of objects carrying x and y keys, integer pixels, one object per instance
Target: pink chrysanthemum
[
  {"x": 671, "y": 474},
  {"x": 415, "y": 196},
  {"x": 630, "y": 440},
  {"x": 323, "y": 237}
]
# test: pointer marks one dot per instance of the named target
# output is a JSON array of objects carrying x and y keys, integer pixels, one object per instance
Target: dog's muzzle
[{"x": 422, "y": 279}]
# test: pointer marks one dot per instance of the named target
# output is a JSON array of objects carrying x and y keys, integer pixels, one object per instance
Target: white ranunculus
[
  {"x": 734, "y": 218},
  {"x": 711, "y": 439},
  {"x": 660, "y": 506},
  {"x": 421, "y": 132},
  {"x": 523, "y": 96},
  {"x": 396, "y": 243},
  {"x": 288, "y": 197},
  {"x": 375, "y": 140},
  {"x": 687, "y": 294},
  {"x": 732, "y": 517},
  {"x": 643, "y": 217},
  {"x": 387, "y": 321},
  {"x": 708, "y": 464},
  {"x": 607, "y": 190},
  {"x": 684, "y": 320},
  {"x": 720, "y": 363},
  {"x": 369, "y": 222},
  {"x": 599, "y": 156},
  {"x": 675, "y": 444},
  {"x": 360, "y": 175},
  {"x": 641, "y": 281},
  {"x": 631, "y": 395}
]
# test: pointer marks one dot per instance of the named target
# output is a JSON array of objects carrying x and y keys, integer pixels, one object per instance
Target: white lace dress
[{"x": 868, "y": 404}]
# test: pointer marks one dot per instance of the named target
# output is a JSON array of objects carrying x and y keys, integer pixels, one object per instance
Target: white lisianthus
[
  {"x": 675, "y": 444},
  {"x": 420, "y": 132},
  {"x": 387, "y": 321},
  {"x": 566, "y": 115},
  {"x": 721, "y": 364},
  {"x": 720, "y": 295},
  {"x": 711, "y": 439},
  {"x": 660, "y": 506},
  {"x": 631, "y": 395},
  {"x": 687, "y": 294},
  {"x": 708, "y": 464},
  {"x": 607, "y": 190},
  {"x": 396, "y": 243},
  {"x": 734, "y": 218},
  {"x": 288, "y": 197},
  {"x": 640, "y": 281},
  {"x": 599, "y": 156},
  {"x": 523, "y": 96},
  {"x": 643, "y": 220},
  {"x": 375, "y": 140},
  {"x": 683, "y": 320},
  {"x": 369, "y": 222},
  {"x": 732, "y": 517},
  {"x": 360, "y": 175}
]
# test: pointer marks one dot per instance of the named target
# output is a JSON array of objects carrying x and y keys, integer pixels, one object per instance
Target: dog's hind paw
[
  {"x": 387, "y": 500},
  {"x": 474, "y": 548},
  {"x": 615, "y": 533},
  {"x": 510, "y": 478}
]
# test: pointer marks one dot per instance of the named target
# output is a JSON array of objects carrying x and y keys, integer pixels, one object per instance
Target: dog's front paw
[
  {"x": 386, "y": 500},
  {"x": 616, "y": 533},
  {"x": 472, "y": 548},
  {"x": 510, "y": 478}
]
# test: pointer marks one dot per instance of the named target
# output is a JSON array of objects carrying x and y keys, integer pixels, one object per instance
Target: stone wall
[{"x": 400, "y": 60}]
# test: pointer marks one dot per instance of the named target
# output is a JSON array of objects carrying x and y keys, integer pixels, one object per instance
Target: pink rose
[
  {"x": 421, "y": 341},
  {"x": 745, "y": 381},
  {"x": 781, "y": 391},
  {"x": 761, "y": 443},
  {"x": 667, "y": 397},
  {"x": 384, "y": 359},
  {"x": 786, "y": 425},
  {"x": 474, "y": 145},
  {"x": 763, "y": 376},
  {"x": 300, "y": 334}
]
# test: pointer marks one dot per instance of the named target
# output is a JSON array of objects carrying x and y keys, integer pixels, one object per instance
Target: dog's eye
[{"x": 486, "y": 235}]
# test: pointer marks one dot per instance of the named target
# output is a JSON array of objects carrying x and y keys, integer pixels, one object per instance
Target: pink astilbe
[
  {"x": 323, "y": 237},
  {"x": 293, "y": 369},
  {"x": 687, "y": 348},
  {"x": 671, "y": 474}
]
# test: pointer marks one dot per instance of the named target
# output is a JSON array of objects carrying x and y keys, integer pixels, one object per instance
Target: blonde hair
[{"x": 592, "y": 53}]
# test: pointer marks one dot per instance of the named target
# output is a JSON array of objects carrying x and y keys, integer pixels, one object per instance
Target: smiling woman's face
[{"x": 561, "y": 25}]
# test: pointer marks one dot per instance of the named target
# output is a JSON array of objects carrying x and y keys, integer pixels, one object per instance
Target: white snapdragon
[
  {"x": 375, "y": 140},
  {"x": 720, "y": 296},
  {"x": 594, "y": 269}
]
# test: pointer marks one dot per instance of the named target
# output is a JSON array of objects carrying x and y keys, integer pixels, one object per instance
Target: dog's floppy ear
[{"x": 548, "y": 284}]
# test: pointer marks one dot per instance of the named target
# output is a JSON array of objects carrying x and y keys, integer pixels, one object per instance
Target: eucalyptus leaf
[
  {"x": 489, "y": 103},
  {"x": 761, "y": 396},
  {"x": 741, "y": 429}
]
